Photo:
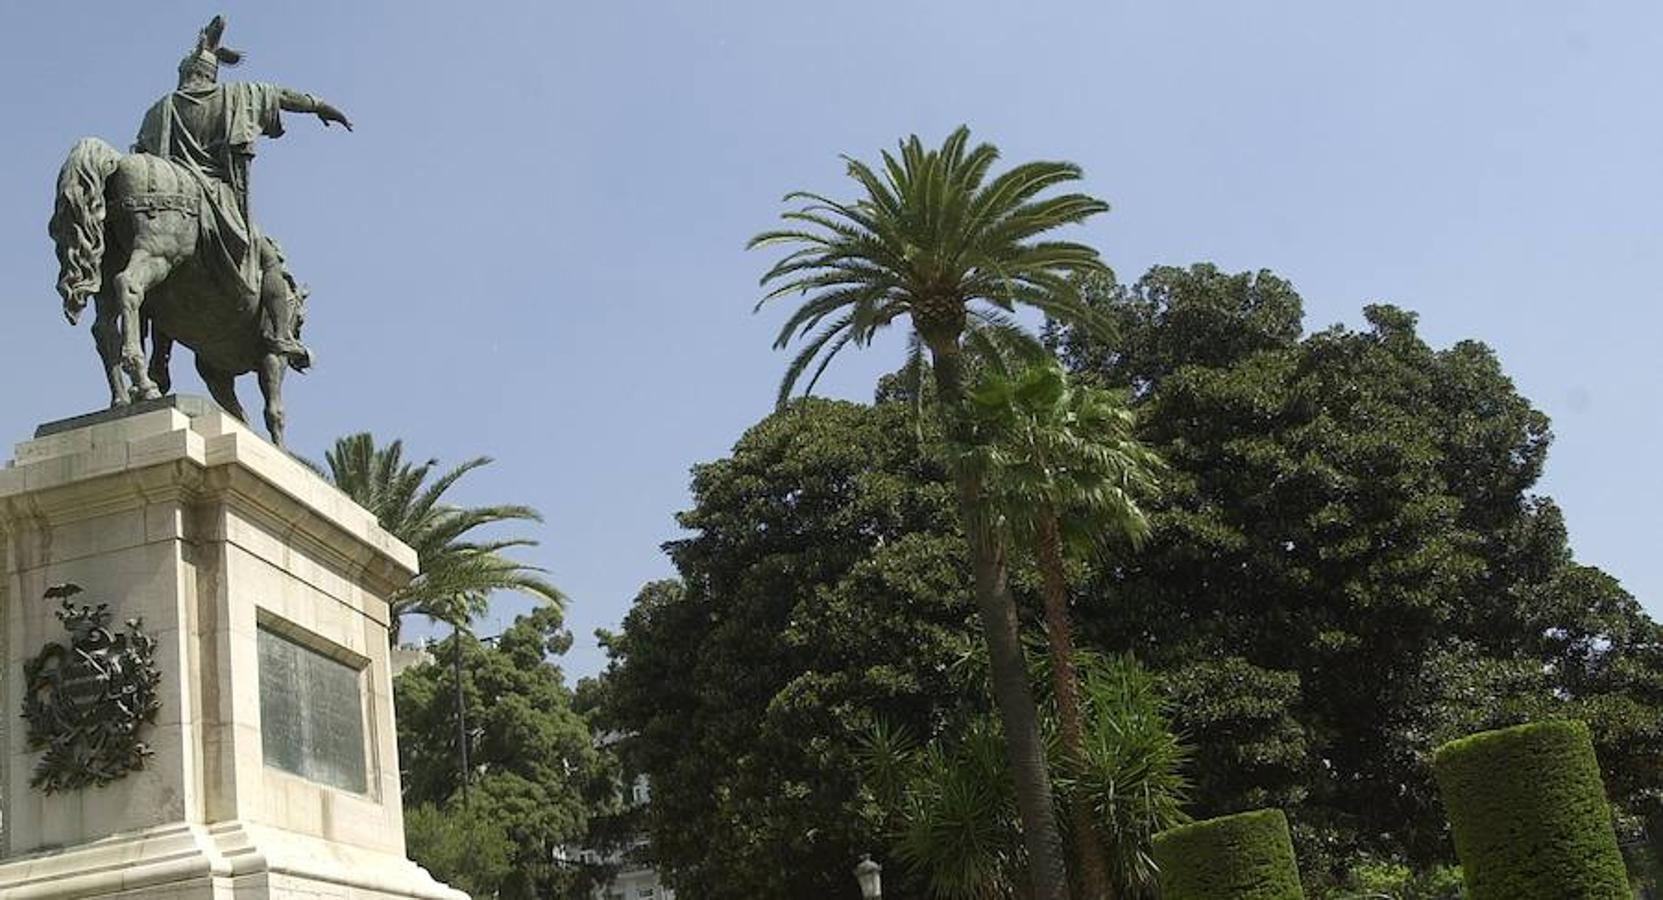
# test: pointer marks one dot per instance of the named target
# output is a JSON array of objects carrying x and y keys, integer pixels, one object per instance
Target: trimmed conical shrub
[
  {"x": 1529, "y": 814},
  {"x": 1247, "y": 856}
]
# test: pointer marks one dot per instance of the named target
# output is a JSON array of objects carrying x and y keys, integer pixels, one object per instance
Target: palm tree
[
  {"x": 1061, "y": 467},
  {"x": 933, "y": 239},
  {"x": 458, "y": 572}
]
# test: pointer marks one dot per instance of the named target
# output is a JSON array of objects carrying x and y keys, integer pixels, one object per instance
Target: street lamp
[
  {"x": 462, "y": 705},
  {"x": 870, "y": 876}
]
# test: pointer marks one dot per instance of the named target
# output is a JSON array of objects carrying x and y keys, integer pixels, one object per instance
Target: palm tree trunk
[
  {"x": 1011, "y": 692},
  {"x": 1088, "y": 844}
]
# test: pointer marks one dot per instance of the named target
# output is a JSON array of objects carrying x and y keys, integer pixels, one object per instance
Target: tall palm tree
[
  {"x": 458, "y": 572},
  {"x": 1061, "y": 467},
  {"x": 933, "y": 239}
]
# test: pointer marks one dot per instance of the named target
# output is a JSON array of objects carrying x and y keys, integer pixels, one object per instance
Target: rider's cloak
[{"x": 211, "y": 132}]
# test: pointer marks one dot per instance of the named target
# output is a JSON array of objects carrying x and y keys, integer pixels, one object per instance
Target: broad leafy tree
[
  {"x": 463, "y": 845},
  {"x": 459, "y": 568},
  {"x": 823, "y": 588},
  {"x": 1349, "y": 536},
  {"x": 536, "y": 777},
  {"x": 1347, "y": 564},
  {"x": 930, "y": 239}
]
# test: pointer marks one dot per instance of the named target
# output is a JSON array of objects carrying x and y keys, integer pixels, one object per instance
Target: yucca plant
[
  {"x": 933, "y": 240},
  {"x": 949, "y": 805},
  {"x": 1130, "y": 777},
  {"x": 458, "y": 571}
]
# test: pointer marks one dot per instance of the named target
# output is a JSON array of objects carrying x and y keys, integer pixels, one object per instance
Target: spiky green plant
[
  {"x": 933, "y": 239},
  {"x": 1130, "y": 775},
  {"x": 459, "y": 572},
  {"x": 949, "y": 805}
]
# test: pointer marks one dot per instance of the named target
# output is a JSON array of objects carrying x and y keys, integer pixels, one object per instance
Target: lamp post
[
  {"x": 870, "y": 876},
  {"x": 461, "y": 710},
  {"x": 462, "y": 706}
]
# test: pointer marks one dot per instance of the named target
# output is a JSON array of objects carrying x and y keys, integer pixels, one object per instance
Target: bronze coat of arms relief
[{"x": 86, "y": 699}]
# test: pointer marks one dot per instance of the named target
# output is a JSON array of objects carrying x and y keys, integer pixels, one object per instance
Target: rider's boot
[
  {"x": 281, "y": 341},
  {"x": 278, "y": 322},
  {"x": 280, "y": 309}
]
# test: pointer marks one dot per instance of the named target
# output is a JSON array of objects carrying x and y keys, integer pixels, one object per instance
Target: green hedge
[
  {"x": 1529, "y": 814},
  {"x": 1247, "y": 856}
]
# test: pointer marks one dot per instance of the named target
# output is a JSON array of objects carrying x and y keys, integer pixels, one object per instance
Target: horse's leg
[
  {"x": 272, "y": 367},
  {"x": 161, "y": 358},
  {"x": 222, "y": 386},
  {"x": 144, "y": 271},
  {"x": 106, "y": 334}
]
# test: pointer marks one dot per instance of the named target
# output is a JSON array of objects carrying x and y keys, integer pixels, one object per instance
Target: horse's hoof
[
  {"x": 119, "y": 402},
  {"x": 147, "y": 394}
]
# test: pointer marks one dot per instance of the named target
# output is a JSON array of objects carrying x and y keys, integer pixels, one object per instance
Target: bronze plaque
[{"x": 311, "y": 714}]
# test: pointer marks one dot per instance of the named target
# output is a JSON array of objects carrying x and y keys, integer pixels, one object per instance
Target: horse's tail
[{"x": 77, "y": 226}]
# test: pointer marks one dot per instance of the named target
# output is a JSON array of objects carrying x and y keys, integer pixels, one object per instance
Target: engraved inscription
[{"x": 311, "y": 714}]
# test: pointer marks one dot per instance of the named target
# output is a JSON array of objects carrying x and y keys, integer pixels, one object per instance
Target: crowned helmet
[{"x": 205, "y": 58}]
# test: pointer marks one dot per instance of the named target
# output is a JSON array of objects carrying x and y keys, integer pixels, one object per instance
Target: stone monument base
[
  {"x": 271, "y": 768},
  {"x": 224, "y": 861}
]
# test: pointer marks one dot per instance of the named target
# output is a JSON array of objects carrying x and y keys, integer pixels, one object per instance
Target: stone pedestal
[{"x": 234, "y": 555}]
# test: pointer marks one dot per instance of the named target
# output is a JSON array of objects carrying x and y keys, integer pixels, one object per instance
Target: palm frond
[
  {"x": 926, "y": 226},
  {"x": 459, "y": 570},
  {"x": 835, "y": 334}
]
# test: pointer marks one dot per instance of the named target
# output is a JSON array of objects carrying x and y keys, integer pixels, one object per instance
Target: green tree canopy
[
  {"x": 537, "y": 775},
  {"x": 1352, "y": 512},
  {"x": 1346, "y": 567},
  {"x": 823, "y": 587}
]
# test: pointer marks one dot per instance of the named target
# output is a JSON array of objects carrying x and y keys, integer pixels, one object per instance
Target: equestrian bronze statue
[{"x": 162, "y": 242}]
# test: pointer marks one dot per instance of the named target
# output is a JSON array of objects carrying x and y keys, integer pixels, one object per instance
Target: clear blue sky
[{"x": 531, "y": 247}]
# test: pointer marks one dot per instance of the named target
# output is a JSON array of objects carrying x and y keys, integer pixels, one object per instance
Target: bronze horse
[
  {"x": 126, "y": 228},
  {"x": 161, "y": 242}
]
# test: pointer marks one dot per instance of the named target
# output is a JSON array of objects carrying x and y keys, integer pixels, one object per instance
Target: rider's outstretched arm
[{"x": 295, "y": 101}]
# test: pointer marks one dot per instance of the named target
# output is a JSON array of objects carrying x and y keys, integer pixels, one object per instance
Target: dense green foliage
[
  {"x": 823, "y": 589},
  {"x": 949, "y": 813},
  {"x": 1346, "y": 568},
  {"x": 458, "y": 570},
  {"x": 932, "y": 238},
  {"x": 1529, "y": 814},
  {"x": 536, "y": 776},
  {"x": 466, "y": 847},
  {"x": 1245, "y": 856},
  {"x": 1349, "y": 520},
  {"x": 1371, "y": 879}
]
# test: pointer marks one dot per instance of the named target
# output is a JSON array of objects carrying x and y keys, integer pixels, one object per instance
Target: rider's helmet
[{"x": 204, "y": 59}]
